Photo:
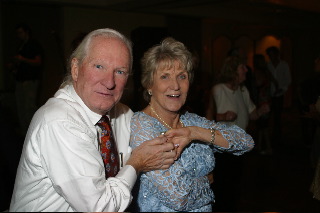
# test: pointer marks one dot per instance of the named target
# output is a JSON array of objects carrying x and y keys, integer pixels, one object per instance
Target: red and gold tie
[{"x": 108, "y": 148}]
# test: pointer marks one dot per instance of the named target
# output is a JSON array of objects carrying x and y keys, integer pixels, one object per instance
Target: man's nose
[{"x": 108, "y": 80}]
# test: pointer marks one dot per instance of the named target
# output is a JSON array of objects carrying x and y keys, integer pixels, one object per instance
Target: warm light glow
[{"x": 266, "y": 42}]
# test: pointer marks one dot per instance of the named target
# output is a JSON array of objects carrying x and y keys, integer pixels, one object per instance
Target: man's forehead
[{"x": 104, "y": 44}]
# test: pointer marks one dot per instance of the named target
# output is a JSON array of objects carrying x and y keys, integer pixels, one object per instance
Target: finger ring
[
  {"x": 162, "y": 133},
  {"x": 177, "y": 145}
]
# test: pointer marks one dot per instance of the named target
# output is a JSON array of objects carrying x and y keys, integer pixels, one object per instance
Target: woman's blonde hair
[
  {"x": 229, "y": 70},
  {"x": 163, "y": 56}
]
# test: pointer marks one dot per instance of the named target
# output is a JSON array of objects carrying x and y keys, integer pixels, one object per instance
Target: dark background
[{"x": 209, "y": 28}]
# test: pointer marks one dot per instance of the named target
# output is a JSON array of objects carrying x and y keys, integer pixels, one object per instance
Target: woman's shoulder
[
  {"x": 193, "y": 119},
  {"x": 189, "y": 115},
  {"x": 243, "y": 89},
  {"x": 220, "y": 87},
  {"x": 142, "y": 118},
  {"x": 140, "y": 115}
]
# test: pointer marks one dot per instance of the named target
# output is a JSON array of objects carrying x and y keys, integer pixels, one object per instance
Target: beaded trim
[{"x": 213, "y": 135}]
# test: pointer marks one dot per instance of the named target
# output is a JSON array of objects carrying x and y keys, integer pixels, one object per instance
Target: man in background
[
  {"x": 281, "y": 72},
  {"x": 27, "y": 68}
]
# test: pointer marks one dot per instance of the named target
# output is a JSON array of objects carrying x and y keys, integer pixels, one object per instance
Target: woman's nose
[{"x": 175, "y": 84}]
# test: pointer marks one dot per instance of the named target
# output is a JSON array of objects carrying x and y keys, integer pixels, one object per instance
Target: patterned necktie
[{"x": 108, "y": 148}]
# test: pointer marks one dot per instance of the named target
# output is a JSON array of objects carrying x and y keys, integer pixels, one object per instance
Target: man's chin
[{"x": 102, "y": 110}]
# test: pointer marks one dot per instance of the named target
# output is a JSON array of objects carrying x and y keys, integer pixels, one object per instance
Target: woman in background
[{"x": 230, "y": 99}]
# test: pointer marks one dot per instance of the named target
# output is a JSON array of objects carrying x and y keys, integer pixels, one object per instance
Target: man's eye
[
  {"x": 163, "y": 77},
  {"x": 121, "y": 72},
  {"x": 98, "y": 66}
]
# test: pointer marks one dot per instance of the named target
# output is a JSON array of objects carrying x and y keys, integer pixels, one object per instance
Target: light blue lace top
[{"x": 184, "y": 186}]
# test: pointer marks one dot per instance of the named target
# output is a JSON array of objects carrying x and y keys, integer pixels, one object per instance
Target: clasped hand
[{"x": 180, "y": 137}]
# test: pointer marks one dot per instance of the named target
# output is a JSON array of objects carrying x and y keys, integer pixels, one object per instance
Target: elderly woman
[
  {"x": 230, "y": 100},
  {"x": 185, "y": 186}
]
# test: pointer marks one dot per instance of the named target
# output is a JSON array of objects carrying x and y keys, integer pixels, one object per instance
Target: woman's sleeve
[
  {"x": 176, "y": 188},
  {"x": 217, "y": 97},
  {"x": 222, "y": 100},
  {"x": 239, "y": 141}
]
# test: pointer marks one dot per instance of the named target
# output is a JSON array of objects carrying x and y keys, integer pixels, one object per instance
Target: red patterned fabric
[{"x": 108, "y": 148}]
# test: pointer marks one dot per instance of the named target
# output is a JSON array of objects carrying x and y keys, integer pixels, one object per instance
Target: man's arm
[
  {"x": 74, "y": 166},
  {"x": 152, "y": 155}
]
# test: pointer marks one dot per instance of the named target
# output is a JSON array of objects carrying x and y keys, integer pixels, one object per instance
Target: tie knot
[
  {"x": 104, "y": 122},
  {"x": 104, "y": 118}
]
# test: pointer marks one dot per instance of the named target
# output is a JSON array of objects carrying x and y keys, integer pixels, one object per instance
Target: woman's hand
[
  {"x": 227, "y": 116},
  {"x": 263, "y": 109},
  {"x": 230, "y": 116},
  {"x": 180, "y": 137}
]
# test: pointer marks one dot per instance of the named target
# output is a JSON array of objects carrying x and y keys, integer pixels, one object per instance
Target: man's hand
[{"x": 152, "y": 155}]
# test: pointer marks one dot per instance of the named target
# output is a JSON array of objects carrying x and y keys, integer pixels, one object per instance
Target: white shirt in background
[{"x": 237, "y": 101}]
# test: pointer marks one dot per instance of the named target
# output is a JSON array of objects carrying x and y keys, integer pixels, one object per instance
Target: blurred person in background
[
  {"x": 281, "y": 73},
  {"x": 27, "y": 69}
]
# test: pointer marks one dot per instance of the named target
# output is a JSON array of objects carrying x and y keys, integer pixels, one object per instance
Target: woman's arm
[
  {"x": 183, "y": 136},
  {"x": 256, "y": 113},
  {"x": 227, "y": 116},
  {"x": 225, "y": 138}
]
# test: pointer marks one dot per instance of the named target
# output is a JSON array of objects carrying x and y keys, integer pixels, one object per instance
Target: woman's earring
[{"x": 149, "y": 92}]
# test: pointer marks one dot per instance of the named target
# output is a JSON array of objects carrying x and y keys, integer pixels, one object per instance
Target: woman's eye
[
  {"x": 183, "y": 76},
  {"x": 163, "y": 77}
]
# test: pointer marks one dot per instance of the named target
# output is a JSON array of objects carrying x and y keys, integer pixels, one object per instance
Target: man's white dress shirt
[
  {"x": 61, "y": 168},
  {"x": 283, "y": 76}
]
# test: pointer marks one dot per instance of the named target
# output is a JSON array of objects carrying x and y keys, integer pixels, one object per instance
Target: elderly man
[{"x": 63, "y": 166}]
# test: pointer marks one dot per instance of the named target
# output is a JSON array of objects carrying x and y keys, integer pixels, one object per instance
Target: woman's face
[
  {"x": 170, "y": 88},
  {"x": 242, "y": 70}
]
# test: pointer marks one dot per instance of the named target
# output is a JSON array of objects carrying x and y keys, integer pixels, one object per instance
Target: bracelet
[{"x": 213, "y": 135}]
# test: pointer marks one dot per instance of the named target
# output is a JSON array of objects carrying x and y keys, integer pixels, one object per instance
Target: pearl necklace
[{"x": 162, "y": 121}]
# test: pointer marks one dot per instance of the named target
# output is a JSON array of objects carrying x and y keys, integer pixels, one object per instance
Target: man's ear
[{"x": 74, "y": 69}]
